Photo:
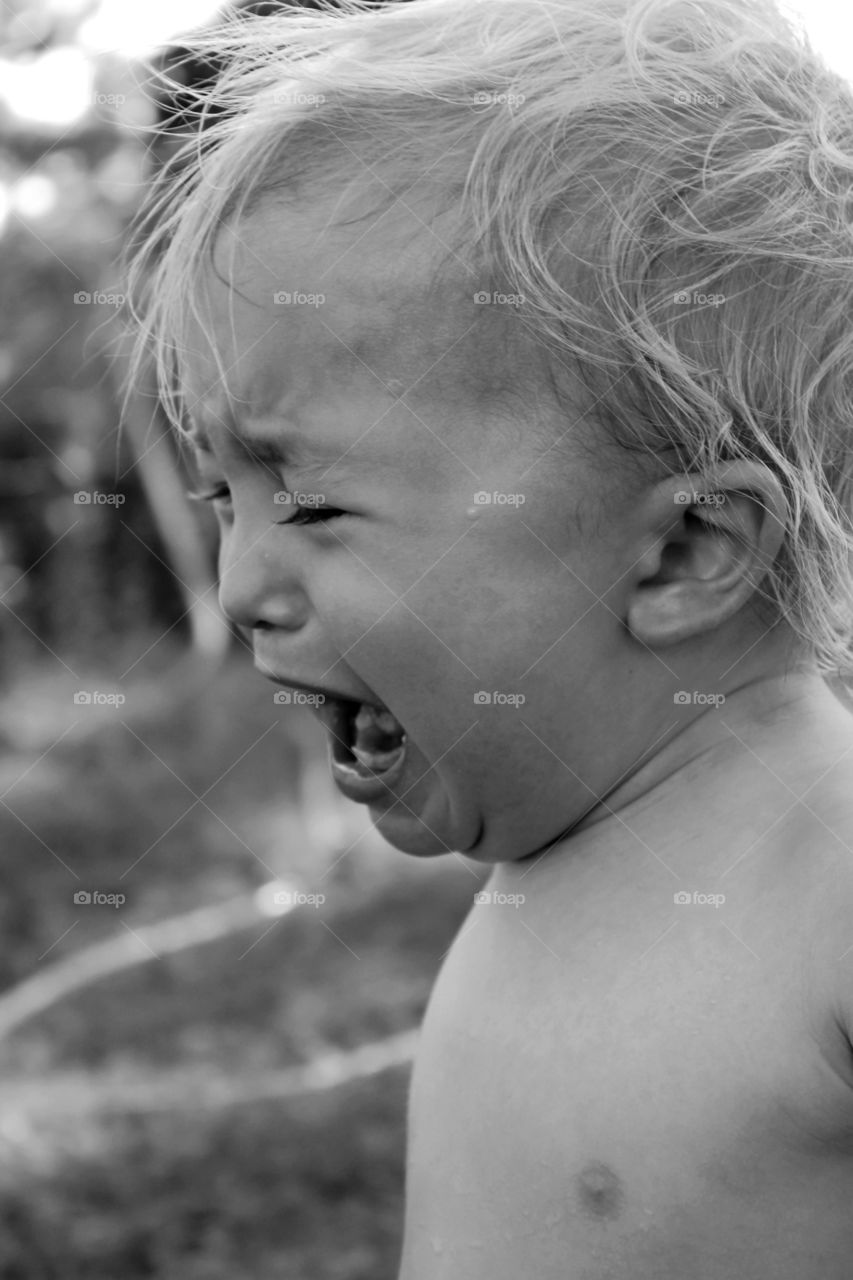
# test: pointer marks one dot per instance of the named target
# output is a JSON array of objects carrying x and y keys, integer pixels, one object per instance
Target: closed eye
[
  {"x": 304, "y": 514},
  {"x": 219, "y": 493},
  {"x": 313, "y": 515}
]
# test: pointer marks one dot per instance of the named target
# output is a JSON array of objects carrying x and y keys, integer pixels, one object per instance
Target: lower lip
[{"x": 366, "y": 790}]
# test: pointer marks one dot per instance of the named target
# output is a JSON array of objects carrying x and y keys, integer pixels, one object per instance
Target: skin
[{"x": 610, "y": 1082}]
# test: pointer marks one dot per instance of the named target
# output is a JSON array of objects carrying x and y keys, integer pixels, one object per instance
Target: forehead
[{"x": 303, "y": 303}]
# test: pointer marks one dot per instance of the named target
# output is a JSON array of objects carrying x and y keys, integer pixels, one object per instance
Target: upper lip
[{"x": 326, "y": 692}]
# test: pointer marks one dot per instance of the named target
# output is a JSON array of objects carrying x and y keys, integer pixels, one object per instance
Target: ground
[{"x": 108, "y": 1165}]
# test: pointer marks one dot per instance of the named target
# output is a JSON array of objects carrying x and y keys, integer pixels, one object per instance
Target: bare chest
[{"x": 633, "y": 1094}]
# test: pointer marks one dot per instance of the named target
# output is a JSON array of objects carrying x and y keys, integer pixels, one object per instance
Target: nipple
[{"x": 600, "y": 1191}]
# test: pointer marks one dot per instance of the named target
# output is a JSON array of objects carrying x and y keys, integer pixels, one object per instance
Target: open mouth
[
  {"x": 368, "y": 741},
  {"x": 368, "y": 746}
]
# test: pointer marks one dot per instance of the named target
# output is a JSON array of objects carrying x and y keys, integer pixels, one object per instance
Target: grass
[
  {"x": 299, "y": 1187},
  {"x": 307, "y": 1189}
]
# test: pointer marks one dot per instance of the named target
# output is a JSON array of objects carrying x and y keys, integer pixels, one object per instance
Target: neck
[{"x": 780, "y": 730}]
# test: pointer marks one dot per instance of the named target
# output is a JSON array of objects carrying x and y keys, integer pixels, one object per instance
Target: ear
[{"x": 710, "y": 548}]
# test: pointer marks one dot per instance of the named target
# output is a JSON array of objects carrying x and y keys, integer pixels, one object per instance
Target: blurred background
[{"x": 212, "y": 969}]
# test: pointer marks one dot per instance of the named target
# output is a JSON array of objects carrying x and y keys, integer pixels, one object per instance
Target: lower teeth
[{"x": 378, "y": 761}]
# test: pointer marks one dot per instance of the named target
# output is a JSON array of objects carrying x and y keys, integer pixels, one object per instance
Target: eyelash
[{"x": 304, "y": 515}]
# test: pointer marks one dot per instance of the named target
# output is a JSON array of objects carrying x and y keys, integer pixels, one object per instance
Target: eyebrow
[
  {"x": 277, "y": 450},
  {"x": 265, "y": 449}
]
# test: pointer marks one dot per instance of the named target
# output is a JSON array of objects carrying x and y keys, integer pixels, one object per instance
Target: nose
[{"x": 258, "y": 587}]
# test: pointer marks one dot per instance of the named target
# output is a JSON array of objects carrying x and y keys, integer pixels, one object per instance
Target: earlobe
[
  {"x": 668, "y": 613},
  {"x": 706, "y": 561}
]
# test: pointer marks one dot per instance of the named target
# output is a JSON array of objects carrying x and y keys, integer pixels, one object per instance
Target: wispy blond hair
[{"x": 667, "y": 183}]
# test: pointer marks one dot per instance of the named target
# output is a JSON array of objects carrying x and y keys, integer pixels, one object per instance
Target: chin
[
  {"x": 410, "y": 836},
  {"x": 427, "y": 823}
]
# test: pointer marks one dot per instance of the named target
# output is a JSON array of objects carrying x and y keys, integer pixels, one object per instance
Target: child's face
[{"x": 421, "y": 596}]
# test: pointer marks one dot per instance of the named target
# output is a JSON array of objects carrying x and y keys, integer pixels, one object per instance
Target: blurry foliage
[
  {"x": 77, "y": 576},
  {"x": 309, "y": 1188}
]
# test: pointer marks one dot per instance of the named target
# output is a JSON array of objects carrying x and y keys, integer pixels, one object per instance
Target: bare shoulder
[
  {"x": 814, "y": 856},
  {"x": 827, "y": 851}
]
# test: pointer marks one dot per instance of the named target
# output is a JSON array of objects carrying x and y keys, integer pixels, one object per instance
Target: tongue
[{"x": 379, "y": 738}]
